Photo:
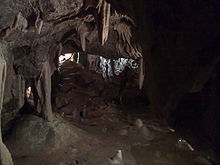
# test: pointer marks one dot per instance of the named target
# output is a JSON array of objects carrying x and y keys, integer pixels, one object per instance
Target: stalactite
[
  {"x": 38, "y": 24},
  {"x": 125, "y": 35},
  {"x": 83, "y": 31},
  {"x": 5, "y": 32},
  {"x": 19, "y": 23},
  {"x": 43, "y": 87},
  {"x": 141, "y": 73},
  {"x": 21, "y": 89},
  {"x": 5, "y": 156},
  {"x": 60, "y": 49},
  {"x": 87, "y": 4},
  {"x": 83, "y": 41},
  {"x": 104, "y": 14},
  {"x": 58, "y": 53},
  {"x": 16, "y": 21},
  {"x": 112, "y": 63}
]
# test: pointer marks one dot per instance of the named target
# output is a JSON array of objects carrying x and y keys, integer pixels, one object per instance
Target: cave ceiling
[{"x": 93, "y": 27}]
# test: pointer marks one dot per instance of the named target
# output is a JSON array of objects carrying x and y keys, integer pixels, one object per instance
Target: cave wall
[
  {"x": 14, "y": 91},
  {"x": 184, "y": 43},
  {"x": 180, "y": 44},
  {"x": 24, "y": 50},
  {"x": 181, "y": 60},
  {"x": 197, "y": 116}
]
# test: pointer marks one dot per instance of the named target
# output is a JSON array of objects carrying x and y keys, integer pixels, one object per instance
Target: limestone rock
[
  {"x": 138, "y": 123},
  {"x": 5, "y": 158},
  {"x": 123, "y": 132},
  {"x": 201, "y": 160},
  {"x": 117, "y": 159},
  {"x": 32, "y": 134},
  {"x": 146, "y": 133}
]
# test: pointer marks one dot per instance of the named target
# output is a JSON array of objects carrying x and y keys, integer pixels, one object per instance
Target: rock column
[
  {"x": 5, "y": 156},
  {"x": 43, "y": 87}
]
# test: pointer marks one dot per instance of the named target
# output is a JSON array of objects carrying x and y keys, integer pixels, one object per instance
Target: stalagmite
[
  {"x": 5, "y": 156},
  {"x": 43, "y": 87},
  {"x": 117, "y": 159},
  {"x": 104, "y": 14},
  {"x": 141, "y": 73},
  {"x": 138, "y": 123}
]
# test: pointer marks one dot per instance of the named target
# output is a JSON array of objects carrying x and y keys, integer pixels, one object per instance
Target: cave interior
[{"x": 108, "y": 82}]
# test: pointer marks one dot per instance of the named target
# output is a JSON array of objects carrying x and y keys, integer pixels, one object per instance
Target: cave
[{"x": 109, "y": 82}]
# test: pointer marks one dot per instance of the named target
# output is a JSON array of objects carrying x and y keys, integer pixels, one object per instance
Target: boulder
[{"x": 33, "y": 135}]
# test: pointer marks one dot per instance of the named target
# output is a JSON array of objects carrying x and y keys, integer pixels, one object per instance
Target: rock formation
[
  {"x": 5, "y": 156},
  {"x": 43, "y": 88}
]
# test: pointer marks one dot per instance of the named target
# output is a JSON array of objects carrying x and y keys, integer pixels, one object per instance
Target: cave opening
[
  {"x": 97, "y": 76},
  {"x": 65, "y": 57}
]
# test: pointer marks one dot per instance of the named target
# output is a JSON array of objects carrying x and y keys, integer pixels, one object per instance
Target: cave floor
[
  {"x": 107, "y": 128},
  {"x": 154, "y": 143}
]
